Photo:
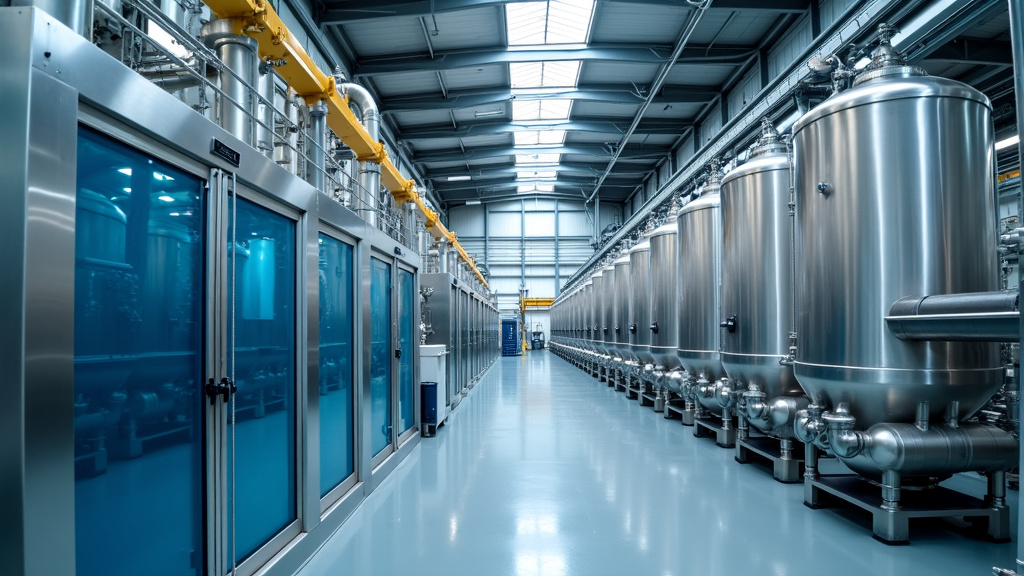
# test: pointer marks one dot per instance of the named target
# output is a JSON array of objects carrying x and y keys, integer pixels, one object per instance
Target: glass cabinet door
[
  {"x": 381, "y": 352},
  {"x": 407, "y": 346},
  {"x": 261, "y": 347},
  {"x": 337, "y": 460},
  {"x": 138, "y": 363}
]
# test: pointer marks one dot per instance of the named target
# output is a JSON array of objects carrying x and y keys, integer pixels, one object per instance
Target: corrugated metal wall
[{"x": 521, "y": 245}]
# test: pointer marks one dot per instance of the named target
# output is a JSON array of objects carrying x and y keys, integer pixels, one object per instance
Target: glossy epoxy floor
[{"x": 544, "y": 471}]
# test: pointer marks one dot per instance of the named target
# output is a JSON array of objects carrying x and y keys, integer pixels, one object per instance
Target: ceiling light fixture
[
  {"x": 1007, "y": 142},
  {"x": 486, "y": 113},
  {"x": 459, "y": 178},
  {"x": 472, "y": 202}
]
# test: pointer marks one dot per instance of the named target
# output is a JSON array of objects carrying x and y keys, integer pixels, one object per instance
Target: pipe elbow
[{"x": 848, "y": 443}]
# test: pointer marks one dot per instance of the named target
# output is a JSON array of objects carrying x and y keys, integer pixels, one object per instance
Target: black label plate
[{"x": 225, "y": 152}]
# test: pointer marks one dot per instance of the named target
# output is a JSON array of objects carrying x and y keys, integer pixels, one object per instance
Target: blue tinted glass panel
[
  {"x": 261, "y": 340},
  {"x": 406, "y": 333},
  {"x": 380, "y": 355},
  {"x": 336, "y": 302},
  {"x": 138, "y": 361}
]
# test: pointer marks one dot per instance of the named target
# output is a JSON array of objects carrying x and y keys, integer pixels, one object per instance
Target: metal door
[{"x": 251, "y": 387}]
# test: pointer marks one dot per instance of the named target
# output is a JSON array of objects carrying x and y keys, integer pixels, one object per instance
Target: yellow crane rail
[
  {"x": 258, "y": 20},
  {"x": 525, "y": 303}
]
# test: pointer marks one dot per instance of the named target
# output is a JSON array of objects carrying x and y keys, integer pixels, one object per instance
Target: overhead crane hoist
[
  {"x": 525, "y": 303},
  {"x": 258, "y": 20}
]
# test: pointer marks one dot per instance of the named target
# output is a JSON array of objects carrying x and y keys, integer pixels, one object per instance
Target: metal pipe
[
  {"x": 442, "y": 255},
  {"x": 1017, "y": 50},
  {"x": 972, "y": 317},
  {"x": 265, "y": 107},
  {"x": 238, "y": 53},
  {"x": 361, "y": 102},
  {"x": 317, "y": 152}
]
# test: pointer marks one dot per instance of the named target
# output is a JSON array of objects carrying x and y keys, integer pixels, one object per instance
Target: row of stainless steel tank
[{"x": 871, "y": 237}]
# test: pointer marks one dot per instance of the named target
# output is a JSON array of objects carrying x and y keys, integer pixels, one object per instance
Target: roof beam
[
  {"x": 599, "y": 150},
  {"x": 608, "y": 93},
  {"x": 355, "y": 10},
  {"x": 601, "y": 125},
  {"x": 595, "y": 52},
  {"x": 572, "y": 170},
  {"x": 974, "y": 52}
]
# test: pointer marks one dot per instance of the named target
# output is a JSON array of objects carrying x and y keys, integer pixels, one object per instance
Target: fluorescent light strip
[{"x": 1007, "y": 142}]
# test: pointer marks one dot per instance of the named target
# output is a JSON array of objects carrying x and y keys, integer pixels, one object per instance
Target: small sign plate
[{"x": 225, "y": 152}]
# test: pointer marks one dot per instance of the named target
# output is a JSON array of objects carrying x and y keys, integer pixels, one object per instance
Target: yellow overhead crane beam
[
  {"x": 258, "y": 20},
  {"x": 525, "y": 303}
]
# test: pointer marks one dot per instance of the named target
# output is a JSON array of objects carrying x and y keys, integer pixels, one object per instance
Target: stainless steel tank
[
  {"x": 757, "y": 269},
  {"x": 664, "y": 298},
  {"x": 699, "y": 227},
  {"x": 606, "y": 302},
  {"x": 621, "y": 299},
  {"x": 894, "y": 198},
  {"x": 640, "y": 301},
  {"x": 586, "y": 314},
  {"x": 596, "y": 311}
]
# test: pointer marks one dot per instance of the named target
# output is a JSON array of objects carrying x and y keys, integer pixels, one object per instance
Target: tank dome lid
[
  {"x": 769, "y": 142},
  {"x": 886, "y": 62},
  {"x": 645, "y": 245}
]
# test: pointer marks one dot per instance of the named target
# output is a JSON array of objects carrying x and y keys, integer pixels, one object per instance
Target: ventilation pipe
[
  {"x": 442, "y": 255},
  {"x": 317, "y": 152},
  {"x": 363, "y": 106},
  {"x": 238, "y": 53},
  {"x": 265, "y": 128}
]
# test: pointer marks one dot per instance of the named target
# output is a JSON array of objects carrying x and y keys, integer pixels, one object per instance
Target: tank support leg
[
  {"x": 726, "y": 435},
  {"x": 889, "y": 523},
  {"x": 812, "y": 496},
  {"x": 688, "y": 415},
  {"x": 659, "y": 400},
  {"x": 998, "y": 524},
  {"x": 787, "y": 468},
  {"x": 742, "y": 432}
]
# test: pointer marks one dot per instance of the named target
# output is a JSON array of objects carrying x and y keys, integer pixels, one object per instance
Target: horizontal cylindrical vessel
[
  {"x": 894, "y": 198},
  {"x": 977, "y": 317}
]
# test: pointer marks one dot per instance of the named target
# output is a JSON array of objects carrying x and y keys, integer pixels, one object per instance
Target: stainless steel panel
[
  {"x": 664, "y": 298},
  {"x": 894, "y": 198},
  {"x": 700, "y": 247},
  {"x": 757, "y": 264},
  {"x": 36, "y": 344}
]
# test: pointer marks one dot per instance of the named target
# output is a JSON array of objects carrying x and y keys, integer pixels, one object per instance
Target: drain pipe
[{"x": 362, "y": 104}]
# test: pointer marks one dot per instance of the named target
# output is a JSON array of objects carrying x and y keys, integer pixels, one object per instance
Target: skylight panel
[
  {"x": 526, "y": 23},
  {"x": 537, "y": 137},
  {"x": 529, "y": 188},
  {"x": 544, "y": 74},
  {"x": 569, "y": 21},
  {"x": 547, "y": 109},
  {"x": 536, "y": 174},
  {"x": 553, "y": 22},
  {"x": 539, "y": 158}
]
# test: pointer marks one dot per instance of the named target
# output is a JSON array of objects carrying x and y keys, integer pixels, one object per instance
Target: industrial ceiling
[{"x": 578, "y": 99}]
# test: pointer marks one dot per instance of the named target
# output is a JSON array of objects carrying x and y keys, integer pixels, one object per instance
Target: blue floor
[{"x": 544, "y": 471}]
